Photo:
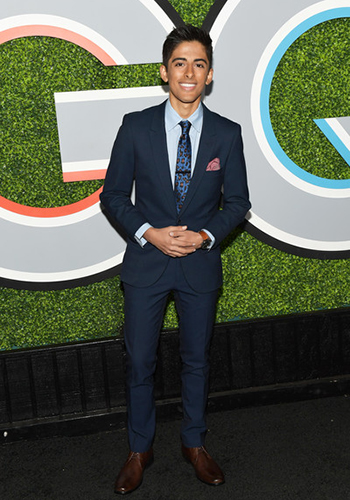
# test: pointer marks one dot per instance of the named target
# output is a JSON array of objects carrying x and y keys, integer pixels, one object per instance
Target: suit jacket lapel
[
  {"x": 204, "y": 154},
  {"x": 161, "y": 159},
  {"x": 160, "y": 154}
]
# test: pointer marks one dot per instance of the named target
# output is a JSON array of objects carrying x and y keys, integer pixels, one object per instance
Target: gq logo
[{"x": 292, "y": 209}]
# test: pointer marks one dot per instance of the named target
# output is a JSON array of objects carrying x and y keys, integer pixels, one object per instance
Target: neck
[{"x": 184, "y": 109}]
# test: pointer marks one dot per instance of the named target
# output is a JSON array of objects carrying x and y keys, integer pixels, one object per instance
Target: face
[{"x": 187, "y": 73}]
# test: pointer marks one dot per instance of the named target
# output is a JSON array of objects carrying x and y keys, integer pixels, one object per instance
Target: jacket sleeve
[
  {"x": 117, "y": 190},
  {"x": 235, "y": 192}
]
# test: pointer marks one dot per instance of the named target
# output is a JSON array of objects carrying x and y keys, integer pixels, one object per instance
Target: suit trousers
[{"x": 144, "y": 310}]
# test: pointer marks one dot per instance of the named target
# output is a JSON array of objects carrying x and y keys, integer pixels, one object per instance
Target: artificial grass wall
[{"x": 258, "y": 280}]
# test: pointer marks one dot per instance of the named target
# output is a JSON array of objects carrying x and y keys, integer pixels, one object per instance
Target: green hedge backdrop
[{"x": 259, "y": 280}]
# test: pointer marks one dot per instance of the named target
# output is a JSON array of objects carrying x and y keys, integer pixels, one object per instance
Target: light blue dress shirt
[{"x": 173, "y": 132}]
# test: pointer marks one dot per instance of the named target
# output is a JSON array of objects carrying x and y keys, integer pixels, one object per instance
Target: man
[{"x": 182, "y": 158}]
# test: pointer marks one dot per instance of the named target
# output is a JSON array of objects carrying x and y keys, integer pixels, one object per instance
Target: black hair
[{"x": 187, "y": 33}]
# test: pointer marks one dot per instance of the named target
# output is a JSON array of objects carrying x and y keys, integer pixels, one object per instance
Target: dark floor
[{"x": 277, "y": 452}]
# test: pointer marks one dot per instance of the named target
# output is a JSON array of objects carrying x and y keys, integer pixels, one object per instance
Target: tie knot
[{"x": 185, "y": 125}]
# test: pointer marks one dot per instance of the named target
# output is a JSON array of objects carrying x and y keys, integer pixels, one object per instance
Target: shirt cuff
[
  {"x": 211, "y": 237},
  {"x": 140, "y": 232}
]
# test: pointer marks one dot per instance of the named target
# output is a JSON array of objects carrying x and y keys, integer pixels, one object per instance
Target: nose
[{"x": 189, "y": 71}]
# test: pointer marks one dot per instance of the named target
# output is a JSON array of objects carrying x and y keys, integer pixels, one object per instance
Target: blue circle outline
[{"x": 265, "y": 98}]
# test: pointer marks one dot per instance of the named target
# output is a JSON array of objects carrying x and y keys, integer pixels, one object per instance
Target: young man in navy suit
[{"x": 183, "y": 158}]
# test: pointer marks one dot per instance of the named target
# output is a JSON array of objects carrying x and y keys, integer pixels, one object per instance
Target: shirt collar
[{"x": 172, "y": 118}]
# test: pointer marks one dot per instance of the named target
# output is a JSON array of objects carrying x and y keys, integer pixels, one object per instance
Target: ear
[
  {"x": 209, "y": 77},
  {"x": 163, "y": 73}
]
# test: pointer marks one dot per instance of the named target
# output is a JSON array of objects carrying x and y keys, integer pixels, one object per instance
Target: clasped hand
[{"x": 175, "y": 241}]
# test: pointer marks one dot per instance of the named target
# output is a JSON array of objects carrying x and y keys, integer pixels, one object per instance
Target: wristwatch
[{"x": 206, "y": 240}]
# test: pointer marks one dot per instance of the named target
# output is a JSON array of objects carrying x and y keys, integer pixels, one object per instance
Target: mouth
[{"x": 187, "y": 86}]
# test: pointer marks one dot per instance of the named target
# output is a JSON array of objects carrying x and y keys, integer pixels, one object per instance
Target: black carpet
[{"x": 278, "y": 452}]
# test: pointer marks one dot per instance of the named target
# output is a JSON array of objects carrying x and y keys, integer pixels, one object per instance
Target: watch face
[{"x": 206, "y": 244}]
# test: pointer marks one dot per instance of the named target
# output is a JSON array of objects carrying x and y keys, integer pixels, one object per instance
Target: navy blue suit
[{"x": 140, "y": 154}]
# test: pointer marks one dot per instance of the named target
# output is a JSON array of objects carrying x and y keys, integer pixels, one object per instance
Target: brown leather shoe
[
  {"x": 207, "y": 470},
  {"x": 130, "y": 477}
]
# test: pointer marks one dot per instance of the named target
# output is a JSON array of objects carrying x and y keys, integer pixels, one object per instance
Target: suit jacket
[{"x": 140, "y": 154}]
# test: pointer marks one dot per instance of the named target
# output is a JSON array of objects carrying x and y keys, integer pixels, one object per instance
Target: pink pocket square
[{"x": 213, "y": 165}]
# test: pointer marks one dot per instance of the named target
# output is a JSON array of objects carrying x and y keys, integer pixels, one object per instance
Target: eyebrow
[{"x": 184, "y": 59}]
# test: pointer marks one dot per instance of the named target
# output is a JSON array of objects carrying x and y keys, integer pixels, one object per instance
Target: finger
[
  {"x": 177, "y": 229},
  {"x": 181, "y": 252},
  {"x": 182, "y": 246},
  {"x": 184, "y": 242},
  {"x": 176, "y": 234}
]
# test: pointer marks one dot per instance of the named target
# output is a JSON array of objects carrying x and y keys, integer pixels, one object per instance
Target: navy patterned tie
[{"x": 183, "y": 165}]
